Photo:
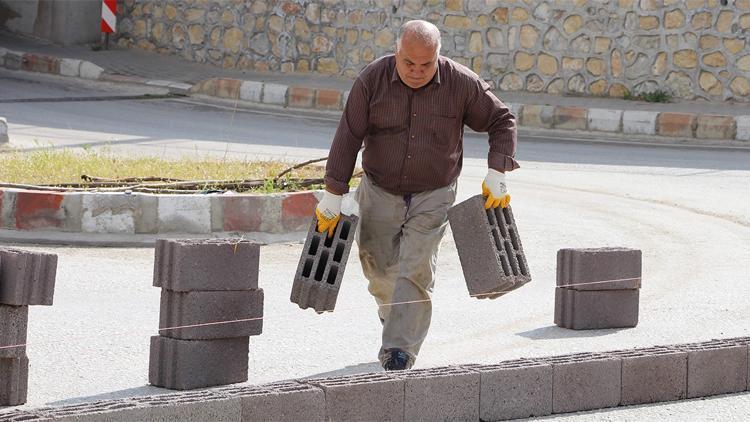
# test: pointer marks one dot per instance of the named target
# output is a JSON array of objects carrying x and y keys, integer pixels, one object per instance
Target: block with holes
[
  {"x": 206, "y": 264},
  {"x": 489, "y": 248},
  {"x": 26, "y": 277},
  {"x": 321, "y": 266},
  {"x": 14, "y": 376},
  {"x": 599, "y": 268}
]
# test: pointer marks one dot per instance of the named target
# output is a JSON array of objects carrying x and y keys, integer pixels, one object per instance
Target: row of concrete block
[
  {"x": 210, "y": 306},
  {"x": 510, "y": 389},
  {"x": 597, "y": 288}
]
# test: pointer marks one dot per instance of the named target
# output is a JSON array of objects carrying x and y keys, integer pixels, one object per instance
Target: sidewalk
[{"x": 681, "y": 122}]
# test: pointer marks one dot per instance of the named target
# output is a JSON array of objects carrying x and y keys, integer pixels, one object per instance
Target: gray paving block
[
  {"x": 281, "y": 401},
  {"x": 716, "y": 370},
  {"x": 14, "y": 378},
  {"x": 448, "y": 394},
  {"x": 211, "y": 314},
  {"x": 585, "y": 383},
  {"x": 489, "y": 248},
  {"x": 189, "y": 364},
  {"x": 596, "y": 309},
  {"x": 206, "y": 264},
  {"x": 599, "y": 268},
  {"x": 653, "y": 376},
  {"x": 13, "y": 326},
  {"x": 26, "y": 277},
  {"x": 514, "y": 389},
  {"x": 322, "y": 264},
  {"x": 366, "y": 397}
]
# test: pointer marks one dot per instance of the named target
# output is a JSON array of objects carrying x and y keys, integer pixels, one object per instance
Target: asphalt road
[{"x": 687, "y": 209}]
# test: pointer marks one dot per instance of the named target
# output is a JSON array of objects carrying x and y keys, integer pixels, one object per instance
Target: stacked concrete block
[
  {"x": 322, "y": 264},
  {"x": 651, "y": 375},
  {"x": 26, "y": 278},
  {"x": 597, "y": 288},
  {"x": 448, "y": 393},
  {"x": 378, "y": 397},
  {"x": 489, "y": 248},
  {"x": 210, "y": 306},
  {"x": 514, "y": 389},
  {"x": 584, "y": 381},
  {"x": 283, "y": 401}
]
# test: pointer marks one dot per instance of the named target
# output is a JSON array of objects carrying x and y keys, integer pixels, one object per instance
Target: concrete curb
[
  {"x": 612, "y": 121},
  {"x": 127, "y": 216},
  {"x": 507, "y": 390}
]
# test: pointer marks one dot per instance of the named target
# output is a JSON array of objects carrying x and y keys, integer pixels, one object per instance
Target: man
[{"x": 409, "y": 109}]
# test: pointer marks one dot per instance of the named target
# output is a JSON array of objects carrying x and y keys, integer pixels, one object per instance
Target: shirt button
[
  {"x": 415, "y": 114},
  {"x": 408, "y": 156},
  {"x": 412, "y": 136}
]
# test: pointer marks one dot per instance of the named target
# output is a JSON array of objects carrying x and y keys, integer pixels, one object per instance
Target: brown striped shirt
[{"x": 413, "y": 138}]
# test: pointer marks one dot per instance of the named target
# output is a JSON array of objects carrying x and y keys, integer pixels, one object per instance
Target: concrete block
[
  {"x": 206, "y": 264},
  {"x": 35, "y": 210},
  {"x": 322, "y": 264},
  {"x": 743, "y": 128},
  {"x": 676, "y": 124},
  {"x": 301, "y": 97},
  {"x": 585, "y": 383},
  {"x": 328, "y": 99},
  {"x": 252, "y": 213},
  {"x": 184, "y": 214},
  {"x": 596, "y": 309},
  {"x": 179, "y": 88},
  {"x": 275, "y": 94},
  {"x": 514, "y": 389},
  {"x": 16, "y": 415},
  {"x": 228, "y": 88},
  {"x": 27, "y": 278},
  {"x": 653, "y": 376},
  {"x": 196, "y": 406},
  {"x": 190, "y": 364},
  {"x": 599, "y": 268},
  {"x": 121, "y": 410},
  {"x": 639, "y": 122},
  {"x": 715, "y": 127},
  {"x": 448, "y": 393},
  {"x": 716, "y": 370},
  {"x": 367, "y": 397},
  {"x": 541, "y": 116},
  {"x": 13, "y": 327},
  {"x": 296, "y": 210},
  {"x": 146, "y": 218},
  {"x": 4, "y": 139},
  {"x": 14, "y": 378},
  {"x": 110, "y": 212},
  {"x": 286, "y": 401},
  {"x": 251, "y": 91},
  {"x": 572, "y": 118},
  {"x": 489, "y": 248},
  {"x": 40, "y": 63},
  {"x": 211, "y": 314},
  {"x": 90, "y": 71},
  {"x": 70, "y": 67},
  {"x": 605, "y": 120}
]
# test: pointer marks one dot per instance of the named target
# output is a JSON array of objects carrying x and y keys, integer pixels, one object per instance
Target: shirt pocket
[{"x": 445, "y": 127}]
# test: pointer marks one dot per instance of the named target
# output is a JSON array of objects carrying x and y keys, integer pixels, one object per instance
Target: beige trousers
[{"x": 398, "y": 240}]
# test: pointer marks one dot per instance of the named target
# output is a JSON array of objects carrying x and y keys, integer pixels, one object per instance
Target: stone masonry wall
[{"x": 689, "y": 48}]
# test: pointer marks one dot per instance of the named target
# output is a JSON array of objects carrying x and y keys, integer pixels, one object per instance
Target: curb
[
  {"x": 139, "y": 218},
  {"x": 700, "y": 127},
  {"x": 511, "y": 389}
]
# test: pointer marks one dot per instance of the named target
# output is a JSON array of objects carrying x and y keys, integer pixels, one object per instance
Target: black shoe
[{"x": 396, "y": 360}]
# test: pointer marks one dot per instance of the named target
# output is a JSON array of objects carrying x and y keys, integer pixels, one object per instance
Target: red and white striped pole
[{"x": 109, "y": 19}]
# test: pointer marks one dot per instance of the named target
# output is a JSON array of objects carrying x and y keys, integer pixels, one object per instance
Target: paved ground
[{"x": 686, "y": 208}]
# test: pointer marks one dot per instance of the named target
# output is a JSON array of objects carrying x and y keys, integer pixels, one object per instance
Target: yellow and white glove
[
  {"x": 328, "y": 212},
  {"x": 495, "y": 190}
]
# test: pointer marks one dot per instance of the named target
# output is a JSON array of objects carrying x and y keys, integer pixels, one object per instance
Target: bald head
[{"x": 421, "y": 33}]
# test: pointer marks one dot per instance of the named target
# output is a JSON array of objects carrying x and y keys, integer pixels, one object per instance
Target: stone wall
[{"x": 689, "y": 48}]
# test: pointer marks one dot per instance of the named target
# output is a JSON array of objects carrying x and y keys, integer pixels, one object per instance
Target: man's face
[{"x": 416, "y": 62}]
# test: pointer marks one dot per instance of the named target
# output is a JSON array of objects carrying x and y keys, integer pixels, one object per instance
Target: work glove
[
  {"x": 328, "y": 212},
  {"x": 494, "y": 189}
]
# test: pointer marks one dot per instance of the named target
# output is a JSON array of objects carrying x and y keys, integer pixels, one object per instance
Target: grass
[
  {"x": 65, "y": 167},
  {"x": 658, "y": 96}
]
